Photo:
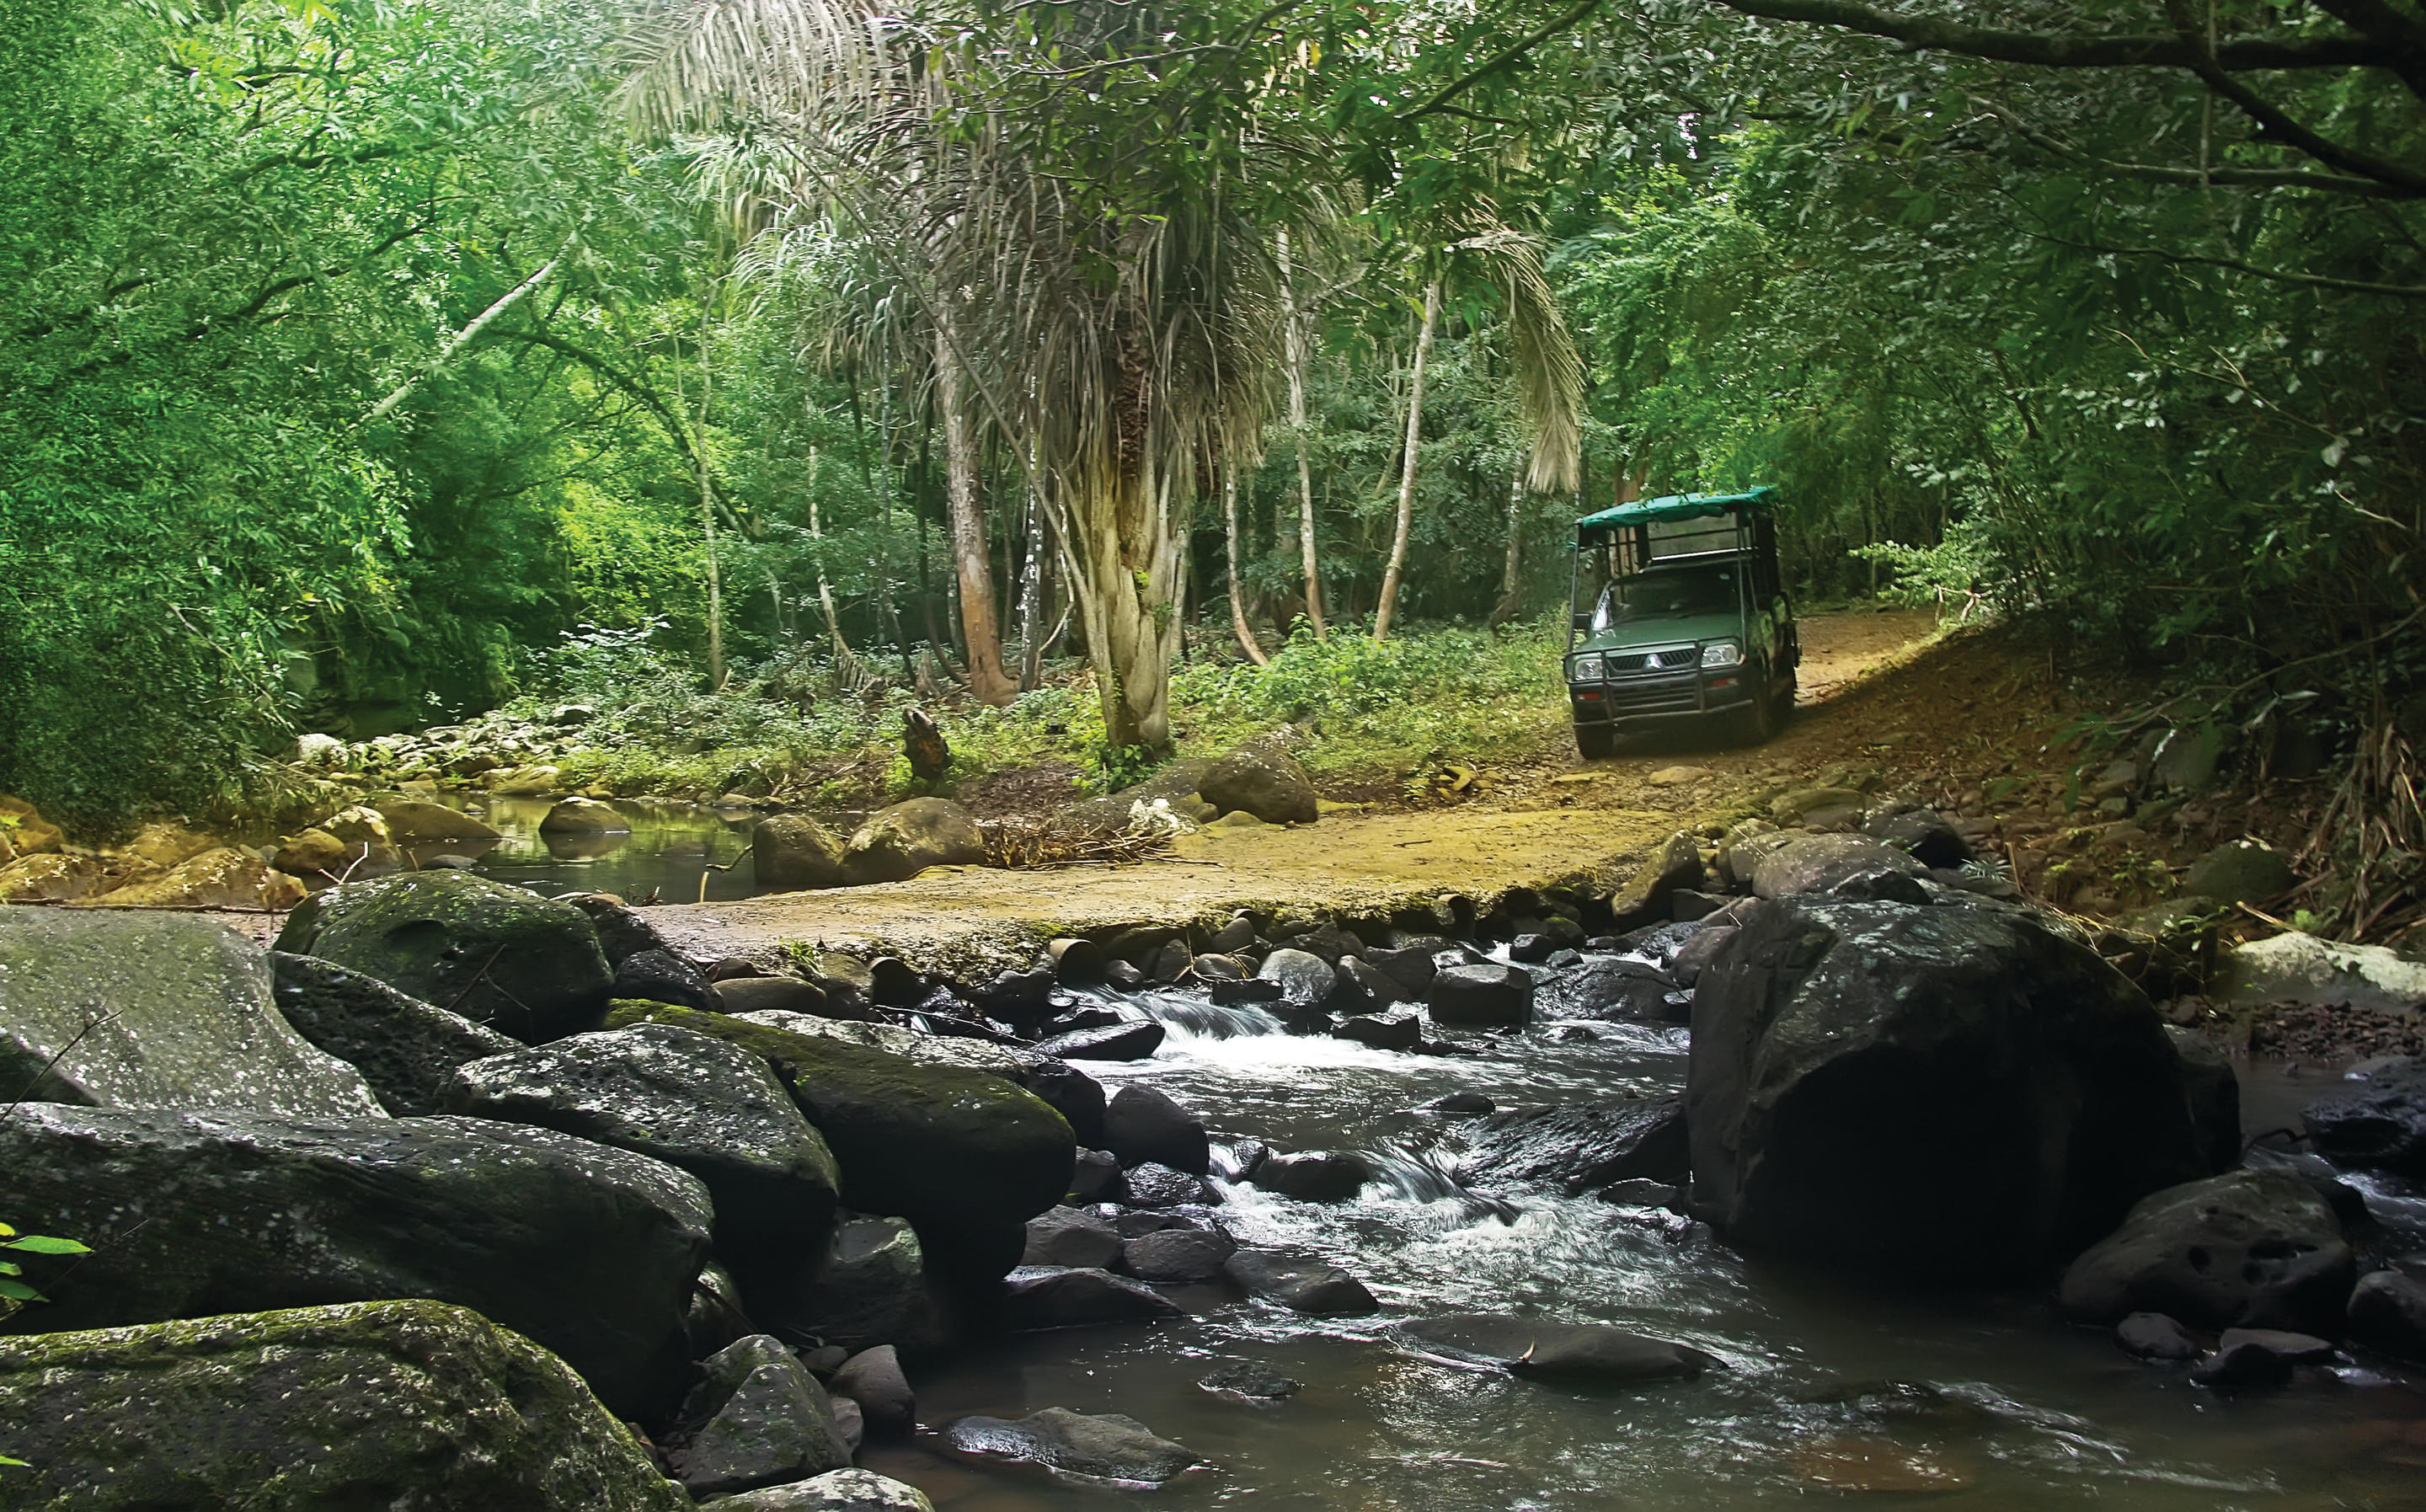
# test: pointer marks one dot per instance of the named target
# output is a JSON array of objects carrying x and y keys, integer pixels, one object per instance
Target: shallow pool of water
[
  {"x": 672, "y": 853},
  {"x": 2019, "y": 1410}
]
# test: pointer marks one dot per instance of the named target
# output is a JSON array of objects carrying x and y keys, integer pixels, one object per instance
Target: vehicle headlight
[
  {"x": 1721, "y": 654},
  {"x": 1584, "y": 669}
]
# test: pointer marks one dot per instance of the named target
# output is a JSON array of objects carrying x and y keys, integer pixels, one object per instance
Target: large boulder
[
  {"x": 758, "y": 1418},
  {"x": 703, "y": 1104},
  {"x": 2379, "y": 1124},
  {"x": 1607, "y": 988},
  {"x": 1489, "y": 995},
  {"x": 865, "y": 1286},
  {"x": 50, "y": 878},
  {"x": 2249, "y": 1248},
  {"x": 499, "y": 955},
  {"x": 2388, "y": 1313},
  {"x": 2298, "y": 968},
  {"x": 2240, "y": 871},
  {"x": 406, "y": 1048},
  {"x": 899, "y": 842},
  {"x": 417, "y": 822},
  {"x": 29, "y": 832},
  {"x": 910, "y": 1044},
  {"x": 1579, "y": 1147},
  {"x": 836, "y": 1490},
  {"x": 415, "y": 1406},
  {"x": 1142, "y": 1125},
  {"x": 1057, "y": 1297},
  {"x": 1263, "y": 780},
  {"x": 224, "y": 878},
  {"x": 1815, "y": 863},
  {"x": 792, "y": 852},
  {"x": 965, "y": 1155},
  {"x": 154, "y": 1010},
  {"x": 1960, "y": 1092},
  {"x": 2214, "y": 1091},
  {"x": 587, "y": 1251}
]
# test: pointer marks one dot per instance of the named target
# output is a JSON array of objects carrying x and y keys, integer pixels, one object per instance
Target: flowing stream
[{"x": 1989, "y": 1398}]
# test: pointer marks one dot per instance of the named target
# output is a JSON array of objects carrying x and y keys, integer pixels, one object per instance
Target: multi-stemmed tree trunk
[
  {"x": 1294, "y": 356},
  {"x": 988, "y": 682},
  {"x": 1406, "y": 522}
]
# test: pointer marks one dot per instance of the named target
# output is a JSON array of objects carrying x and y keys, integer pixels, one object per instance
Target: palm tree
[{"x": 1103, "y": 235}]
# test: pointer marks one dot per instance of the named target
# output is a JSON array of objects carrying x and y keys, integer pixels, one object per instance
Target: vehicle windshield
[{"x": 1665, "y": 592}]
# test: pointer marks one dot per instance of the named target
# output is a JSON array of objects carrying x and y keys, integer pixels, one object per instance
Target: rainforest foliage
[{"x": 365, "y": 363}]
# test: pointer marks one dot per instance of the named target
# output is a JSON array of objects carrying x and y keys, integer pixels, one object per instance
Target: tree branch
[
  {"x": 467, "y": 335},
  {"x": 2276, "y": 123},
  {"x": 1440, "y": 101},
  {"x": 2397, "y": 291},
  {"x": 2049, "y": 50},
  {"x": 675, "y": 429}
]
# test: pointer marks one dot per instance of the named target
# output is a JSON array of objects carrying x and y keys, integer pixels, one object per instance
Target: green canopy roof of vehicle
[{"x": 1682, "y": 506}]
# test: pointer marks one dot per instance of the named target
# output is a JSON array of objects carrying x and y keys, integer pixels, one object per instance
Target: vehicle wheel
[
  {"x": 1596, "y": 743},
  {"x": 1759, "y": 720},
  {"x": 1785, "y": 710}
]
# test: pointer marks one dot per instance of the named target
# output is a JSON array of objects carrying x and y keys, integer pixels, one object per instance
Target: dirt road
[{"x": 1553, "y": 822}]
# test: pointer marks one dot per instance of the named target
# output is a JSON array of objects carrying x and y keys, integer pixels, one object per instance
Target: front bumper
[{"x": 1686, "y": 694}]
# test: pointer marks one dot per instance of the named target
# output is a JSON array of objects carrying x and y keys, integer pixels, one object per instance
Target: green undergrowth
[{"x": 1365, "y": 710}]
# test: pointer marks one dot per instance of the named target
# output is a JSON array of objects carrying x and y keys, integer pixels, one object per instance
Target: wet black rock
[
  {"x": 1253, "y": 989},
  {"x": 1173, "y": 964},
  {"x": 2250, "y": 1248},
  {"x": 1642, "y": 1192},
  {"x": 778, "y": 994},
  {"x": 1304, "y": 979},
  {"x": 1106, "y": 1447},
  {"x": 1178, "y": 1257},
  {"x": 2379, "y": 1124},
  {"x": 2388, "y": 1313},
  {"x": 1460, "y": 1103},
  {"x": 1362, "y": 988},
  {"x": 1252, "y": 1382},
  {"x": 662, "y": 976},
  {"x": 1816, "y": 863},
  {"x": 1574, "y": 1354},
  {"x": 758, "y": 1419},
  {"x": 2246, "y": 1366},
  {"x": 2155, "y": 1336},
  {"x": 1070, "y": 1092},
  {"x": 1957, "y": 1093},
  {"x": 1687, "y": 905},
  {"x": 406, "y": 1048},
  {"x": 1142, "y": 1124},
  {"x": 1214, "y": 968},
  {"x": 1235, "y": 935},
  {"x": 1241, "y": 1161},
  {"x": 2214, "y": 1091},
  {"x": 1579, "y": 1149},
  {"x": 1049, "y": 1297},
  {"x": 866, "y": 1285},
  {"x": 1315, "y": 1176},
  {"x": 1017, "y": 997},
  {"x": 588, "y": 1251},
  {"x": 1410, "y": 966},
  {"x": 1129, "y": 1039},
  {"x": 1605, "y": 988},
  {"x": 1153, "y": 1184},
  {"x": 873, "y": 1379},
  {"x": 1085, "y": 1016},
  {"x": 2298, "y": 1348},
  {"x": 1530, "y": 949},
  {"x": 1493, "y": 995},
  {"x": 1095, "y": 1176},
  {"x": 1136, "y": 1223},
  {"x": 1923, "y": 834},
  {"x": 1300, "y": 1285},
  {"x": 1123, "y": 975},
  {"x": 1070, "y": 1238},
  {"x": 1381, "y": 1031},
  {"x": 700, "y": 1104}
]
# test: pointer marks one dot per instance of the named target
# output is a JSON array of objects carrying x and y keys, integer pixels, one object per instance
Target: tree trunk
[
  {"x": 1390, "y": 578},
  {"x": 1237, "y": 606},
  {"x": 987, "y": 680},
  {"x": 1032, "y": 605},
  {"x": 707, "y": 509},
  {"x": 1294, "y": 345},
  {"x": 1120, "y": 555},
  {"x": 1511, "y": 570}
]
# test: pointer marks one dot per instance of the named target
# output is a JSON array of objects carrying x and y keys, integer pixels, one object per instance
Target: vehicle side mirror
[{"x": 1579, "y": 621}]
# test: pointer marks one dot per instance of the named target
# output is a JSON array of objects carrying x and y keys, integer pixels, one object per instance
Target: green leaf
[
  {"x": 19, "y": 1291},
  {"x": 44, "y": 1244}
]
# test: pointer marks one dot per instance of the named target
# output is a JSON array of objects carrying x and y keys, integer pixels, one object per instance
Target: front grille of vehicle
[
  {"x": 1668, "y": 694},
  {"x": 1652, "y": 661}
]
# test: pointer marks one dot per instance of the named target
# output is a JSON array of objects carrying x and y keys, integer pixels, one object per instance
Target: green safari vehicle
[{"x": 1679, "y": 616}]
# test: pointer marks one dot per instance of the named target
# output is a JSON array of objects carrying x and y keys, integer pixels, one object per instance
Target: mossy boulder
[
  {"x": 701, "y": 1103},
  {"x": 499, "y": 955},
  {"x": 965, "y": 1155},
  {"x": 405, "y": 1406},
  {"x": 588, "y": 1250},
  {"x": 159, "y": 1010},
  {"x": 223, "y": 877},
  {"x": 899, "y": 842},
  {"x": 792, "y": 852},
  {"x": 405, "y": 1049}
]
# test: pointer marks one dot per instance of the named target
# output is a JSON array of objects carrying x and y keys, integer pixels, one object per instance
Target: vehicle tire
[
  {"x": 1596, "y": 743},
  {"x": 1758, "y": 721}
]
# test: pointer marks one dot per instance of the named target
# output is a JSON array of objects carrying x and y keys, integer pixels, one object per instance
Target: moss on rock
[{"x": 407, "y": 1406}]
